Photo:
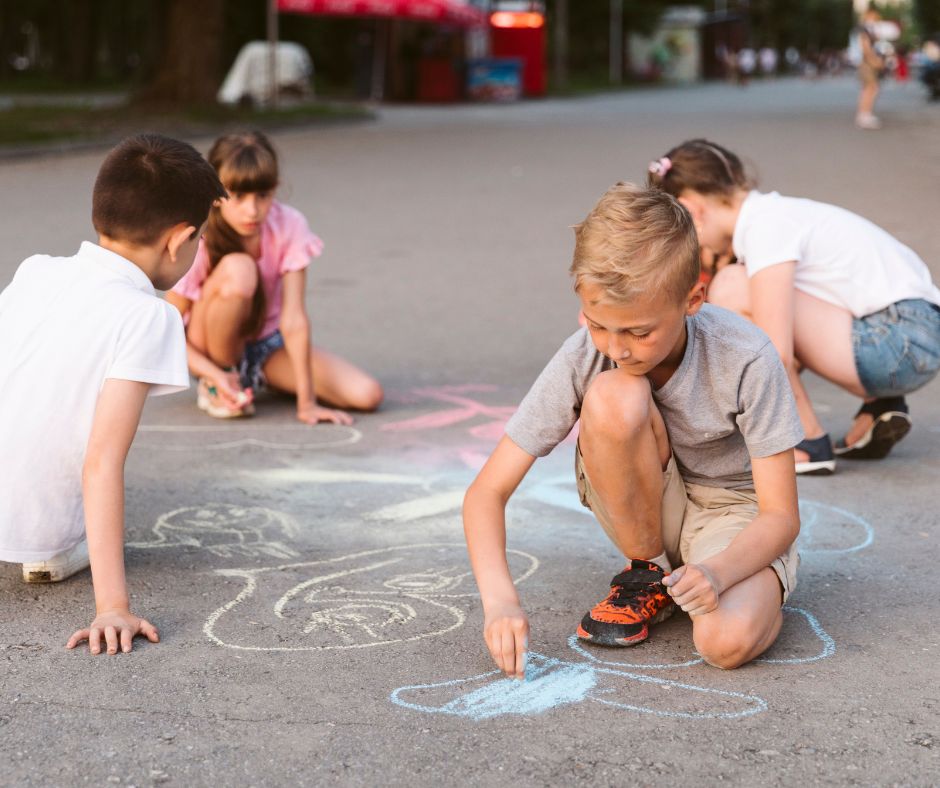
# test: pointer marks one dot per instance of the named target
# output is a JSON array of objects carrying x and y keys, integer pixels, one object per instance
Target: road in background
[{"x": 318, "y": 620}]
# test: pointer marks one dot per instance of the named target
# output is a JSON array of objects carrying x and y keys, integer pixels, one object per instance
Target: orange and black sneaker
[{"x": 637, "y": 599}]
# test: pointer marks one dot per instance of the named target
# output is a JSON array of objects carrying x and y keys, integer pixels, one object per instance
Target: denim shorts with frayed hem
[
  {"x": 897, "y": 350},
  {"x": 251, "y": 368}
]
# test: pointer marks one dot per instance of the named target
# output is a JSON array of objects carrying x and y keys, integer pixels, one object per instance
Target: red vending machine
[{"x": 517, "y": 30}]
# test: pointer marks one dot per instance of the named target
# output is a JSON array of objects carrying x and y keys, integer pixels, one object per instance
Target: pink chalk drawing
[{"x": 465, "y": 409}]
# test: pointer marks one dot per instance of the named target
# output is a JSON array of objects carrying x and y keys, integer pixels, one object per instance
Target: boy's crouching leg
[
  {"x": 623, "y": 458},
  {"x": 745, "y": 624}
]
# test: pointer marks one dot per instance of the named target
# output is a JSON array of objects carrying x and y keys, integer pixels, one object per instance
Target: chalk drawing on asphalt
[
  {"x": 360, "y": 600},
  {"x": 553, "y": 683},
  {"x": 463, "y": 409},
  {"x": 830, "y": 529},
  {"x": 225, "y": 530},
  {"x": 825, "y": 529},
  {"x": 212, "y": 437}
]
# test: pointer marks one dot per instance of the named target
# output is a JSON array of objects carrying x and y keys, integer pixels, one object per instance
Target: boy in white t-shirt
[
  {"x": 837, "y": 295},
  {"x": 86, "y": 340}
]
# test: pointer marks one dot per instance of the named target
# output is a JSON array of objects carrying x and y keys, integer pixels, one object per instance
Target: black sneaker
[
  {"x": 891, "y": 423},
  {"x": 822, "y": 460},
  {"x": 637, "y": 599}
]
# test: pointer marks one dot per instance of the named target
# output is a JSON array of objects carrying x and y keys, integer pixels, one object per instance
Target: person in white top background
[
  {"x": 86, "y": 339},
  {"x": 836, "y": 294}
]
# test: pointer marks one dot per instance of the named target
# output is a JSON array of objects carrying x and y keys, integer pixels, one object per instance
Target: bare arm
[
  {"x": 772, "y": 304},
  {"x": 773, "y": 297},
  {"x": 201, "y": 366},
  {"x": 697, "y": 587},
  {"x": 115, "y": 423},
  {"x": 295, "y": 328},
  {"x": 505, "y": 627}
]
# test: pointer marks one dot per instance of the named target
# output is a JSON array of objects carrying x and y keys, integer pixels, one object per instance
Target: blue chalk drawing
[
  {"x": 813, "y": 518},
  {"x": 822, "y": 523},
  {"x": 553, "y": 683}
]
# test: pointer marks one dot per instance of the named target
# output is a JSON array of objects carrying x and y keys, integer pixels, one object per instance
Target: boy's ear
[
  {"x": 178, "y": 235},
  {"x": 695, "y": 298}
]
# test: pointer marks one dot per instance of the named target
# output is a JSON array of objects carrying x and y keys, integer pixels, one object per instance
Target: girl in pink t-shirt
[{"x": 243, "y": 299}]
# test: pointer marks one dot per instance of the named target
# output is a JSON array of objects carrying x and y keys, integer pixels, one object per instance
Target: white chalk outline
[
  {"x": 353, "y": 436},
  {"x": 276, "y": 550},
  {"x": 250, "y": 576}
]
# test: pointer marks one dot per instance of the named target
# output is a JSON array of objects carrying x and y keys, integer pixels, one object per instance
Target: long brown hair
[{"x": 245, "y": 162}]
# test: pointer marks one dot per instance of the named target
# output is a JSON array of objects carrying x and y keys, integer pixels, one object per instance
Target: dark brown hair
[
  {"x": 149, "y": 183},
  {"x": 246, "y": 162},
  {"x": 701, "y": 166}
]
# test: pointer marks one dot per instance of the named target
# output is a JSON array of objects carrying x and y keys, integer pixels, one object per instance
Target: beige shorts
[
  {"x": 698, "y": 522},
  {"x": 868, "y": 74}
]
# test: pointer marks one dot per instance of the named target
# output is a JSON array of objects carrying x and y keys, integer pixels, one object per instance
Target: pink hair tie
[{"x": 661, "y": 167}]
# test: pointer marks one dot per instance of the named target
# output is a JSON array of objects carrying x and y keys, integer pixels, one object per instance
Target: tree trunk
[
  {"x": 189, "y": 70},
  {"x": 560, "y": 36}
]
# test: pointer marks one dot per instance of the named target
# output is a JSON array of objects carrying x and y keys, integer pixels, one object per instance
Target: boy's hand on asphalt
[
  {"x": 118, "y": 628},
  {"x": 314, "y": 414},
  {"x": 693, "y": 588},
  {"x": 506, "y": 632}
]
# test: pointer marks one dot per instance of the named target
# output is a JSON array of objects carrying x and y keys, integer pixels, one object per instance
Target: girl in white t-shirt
[
  {"x": 835, "y": 293},
  {"x": 243, "y": 299}
]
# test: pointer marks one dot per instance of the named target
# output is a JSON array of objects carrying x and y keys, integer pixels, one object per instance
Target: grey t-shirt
[{"x": 728, "y": 401}]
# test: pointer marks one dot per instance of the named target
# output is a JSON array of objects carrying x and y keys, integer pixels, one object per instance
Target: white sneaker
[
  {"x": 208, "y": 401},
  {"x": 868, "y": 122},
  {"x": 59, "y": 567}
]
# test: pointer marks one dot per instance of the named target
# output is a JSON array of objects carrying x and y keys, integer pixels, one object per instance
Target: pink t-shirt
[{"x": 287, "y": 244}]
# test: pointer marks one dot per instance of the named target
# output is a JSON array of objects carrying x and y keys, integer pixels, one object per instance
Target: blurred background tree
[{"x": 177, "y": 51}]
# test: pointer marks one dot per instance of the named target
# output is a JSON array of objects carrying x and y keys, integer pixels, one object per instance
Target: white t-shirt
[
  {"x": 840, "y": 257},
  {"x": 68, "y": 324}
]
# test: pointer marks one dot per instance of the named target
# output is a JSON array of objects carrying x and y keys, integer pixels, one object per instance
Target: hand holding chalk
[
  {"x": 506, "y": 632},
  {"x": 693, "y": 588},
  {"x": 228, "y": 387}
]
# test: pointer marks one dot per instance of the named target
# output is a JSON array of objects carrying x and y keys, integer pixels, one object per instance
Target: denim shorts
[
  {"x": 251, "y": 367},
  {"x": 897, "y": 350}
]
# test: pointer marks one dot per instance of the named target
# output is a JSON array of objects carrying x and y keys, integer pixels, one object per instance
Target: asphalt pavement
[{"x": 319, "y": 623}]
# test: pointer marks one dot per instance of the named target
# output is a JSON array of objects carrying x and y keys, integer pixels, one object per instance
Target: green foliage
[
  {"x": 808, "y": 25},
  {"x": 927, "y": 14}
]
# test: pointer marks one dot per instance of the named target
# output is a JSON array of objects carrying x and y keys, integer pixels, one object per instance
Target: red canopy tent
[
  {"x": 443, "y": 12},
  {"x": 450, "y": 12}
]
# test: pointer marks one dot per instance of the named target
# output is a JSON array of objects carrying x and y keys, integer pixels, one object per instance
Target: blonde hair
[{"x": 636, "y": 241}]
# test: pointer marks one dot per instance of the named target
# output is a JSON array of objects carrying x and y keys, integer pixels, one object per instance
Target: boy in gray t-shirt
[{"x": 687, "y": 426}]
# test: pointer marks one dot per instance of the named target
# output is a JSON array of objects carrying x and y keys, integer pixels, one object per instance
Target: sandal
[
  {"x": 891, "y": 423},
  {"x": 207, "y": 399},
  {"x": 821, "y": 462}
]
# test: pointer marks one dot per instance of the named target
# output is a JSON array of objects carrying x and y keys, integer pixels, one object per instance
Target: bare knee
[
  {"x": 617, "y": 402},
  {"x": 368, "y": 396},
  {"x": 729, "y": 289},
  {"x": 724, "y": 644},
  {"x": 236, "y": 276}
]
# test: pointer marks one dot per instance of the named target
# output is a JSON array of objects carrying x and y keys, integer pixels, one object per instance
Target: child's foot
[
  {"x": 867, "y": 121},
  {"x": 61, "y": 566},
  {"x": 878, "y": 426},
  {"x": 815, "y": 457},
  {"x": 208, "y": 400},
  {"x": 637, "y": 599}
]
